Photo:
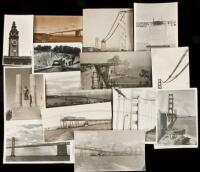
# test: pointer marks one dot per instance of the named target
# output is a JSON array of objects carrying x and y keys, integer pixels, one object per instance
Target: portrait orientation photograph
[
  {"x": 18, "y": 40},
  {"x": 155, "y": 25},
  {"x": 177, "y": 119},
  {"x": 109, "y": 29},
  {"x": 136, "y": 109},
  {"x": 57, "y": 29}
]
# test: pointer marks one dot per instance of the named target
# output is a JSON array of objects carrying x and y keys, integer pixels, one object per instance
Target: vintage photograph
[
  {"x": 170, "y": 68},
  {"x": 57, "y": 29},
  {"x": 61, "y": 122},
  {"x": 135, "y": 109},
  {"x": 116, "y": 69},
  {"x": 24, "y": 144},
  {"x": 59, "y": 86},
  {"x": 109, "y": 151},
  {"x": 155, "y": 25},
  {"x": 78, "y": 97},
  {"x": 18, "y": 40},
  {"x": 108, "y": 29},
  {"x": 56, "y": 57},
  {"x": 24, "y": 94},
  {"x": 177, "y": 118}
]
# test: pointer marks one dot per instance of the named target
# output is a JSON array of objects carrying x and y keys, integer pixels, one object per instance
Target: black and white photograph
[
  {"x": 24, "y": 94},
  {"x": 24, "y": 143},
  {"x": 78, "y": 97},
  {"x": 60, "y": 86},
  {"x": 56, "y": 57},
  {"x": 155, "y": 25},
  {"x": 50, "y": 28},
  {"x": 116, "y": 69},
  {"x": 60, "y": 123},
  {"x": 177, "y": 119},
  {"x": 108, "y": 29},
  {"x": 170, "y": 68},
  {"x": 18, "y": 40},
  {"x": 109, "y": 151},
  {"x": 136, "y": 109}
]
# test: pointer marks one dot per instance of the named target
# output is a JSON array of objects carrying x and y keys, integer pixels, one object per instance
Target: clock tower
[{"x": 13, "y": 41}]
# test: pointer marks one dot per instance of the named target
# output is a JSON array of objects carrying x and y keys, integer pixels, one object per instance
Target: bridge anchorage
[{"x": 172, "y": 75}]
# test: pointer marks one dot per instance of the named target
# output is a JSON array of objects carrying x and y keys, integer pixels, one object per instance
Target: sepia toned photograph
[
  {"x": 177, "y": 119},
  {"x": 109, "y": 151},
  {"x": 18, "y": 40},
  {"x": 59, "y": 86},
  {"x": 61, "y": 122},
  {"x": 135, "y": 109},
  {"x": 57, "y": 29},
  {"x": 24, "y": 94},
  {"x": 78, "y": 97},
  {"x": 108, "y": 29},
  {"x": 170, "y": 68},
  {"x": 116, "y": 69},
  {"x": 56, "y": 57},
  {"x": 155, "y": 25}
]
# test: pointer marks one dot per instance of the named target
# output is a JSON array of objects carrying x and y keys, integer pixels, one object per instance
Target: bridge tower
[
  {"x": 171, "y": 106},
  {"x": 159, "y": 84},
  {"x": 13, "y": 147}
]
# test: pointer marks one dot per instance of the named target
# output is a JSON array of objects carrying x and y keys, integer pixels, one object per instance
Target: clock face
[{"x": 14, "y": 42}]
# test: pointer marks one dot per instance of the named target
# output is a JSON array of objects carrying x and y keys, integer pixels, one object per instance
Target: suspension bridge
[
  {"x": 120, "y": 26},
  {"x": 173, "y": 75}
]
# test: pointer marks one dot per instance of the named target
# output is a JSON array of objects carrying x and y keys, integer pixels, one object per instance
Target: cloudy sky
[
  {"x": 49, "y": 24},
  {"x": 51, "y": 117},
  {"x": 58, "y": 84},
  {"x": 24, "y": 25}
]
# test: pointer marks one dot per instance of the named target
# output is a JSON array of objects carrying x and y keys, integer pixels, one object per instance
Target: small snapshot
[
  {"x": 116, "y": 69},
  {"x": 170, "y": 68},
  {"x": 57, "y": 29},
  {"x": 24, "y": 94},
  {"x": 108, "y": 30},
  {"x": 135, "y": 109},
  {"x": 177, "y": 119},
  {"x": 155, "y": 25},
  {"x": 18, "y": 40},
  {"x": 61, "y": 122},
  {"x": 56, "y": 57},
  {"x": 109, "y": 151}
]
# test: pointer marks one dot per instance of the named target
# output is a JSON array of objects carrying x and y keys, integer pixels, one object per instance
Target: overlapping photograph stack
[{"x": 94, "y": 89}]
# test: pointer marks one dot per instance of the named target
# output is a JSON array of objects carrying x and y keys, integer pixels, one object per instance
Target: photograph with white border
[
  {"x": 136, "y": 109},
  {"x": 56, "y": 57},
  {"x": 155, "y": 25},
  {"x": 18, "y": 40},
  {"x": 170, "y": 68},
  {"x": 61, "y": 122},
  {"x": 24, "y": 94},
  {"x": 108, "y": 29},
  {"x": 109, "y": 151},
  {"x": 177, "y": 119}
]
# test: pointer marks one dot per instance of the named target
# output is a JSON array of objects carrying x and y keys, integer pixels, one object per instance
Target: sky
[
  {"x": 24, "y": 25},
  {"x": 185, "y": 101},
  {"x": 145, "y": 12},
  {"x": 49, "y": 24},
  {"x": 51, "y": 117},
  {"x": 164, "y": 60},
  {"x": 140, "y": 58},
  {"x": 58, "y": 84},
  {"x": 97, "y": 23}
]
